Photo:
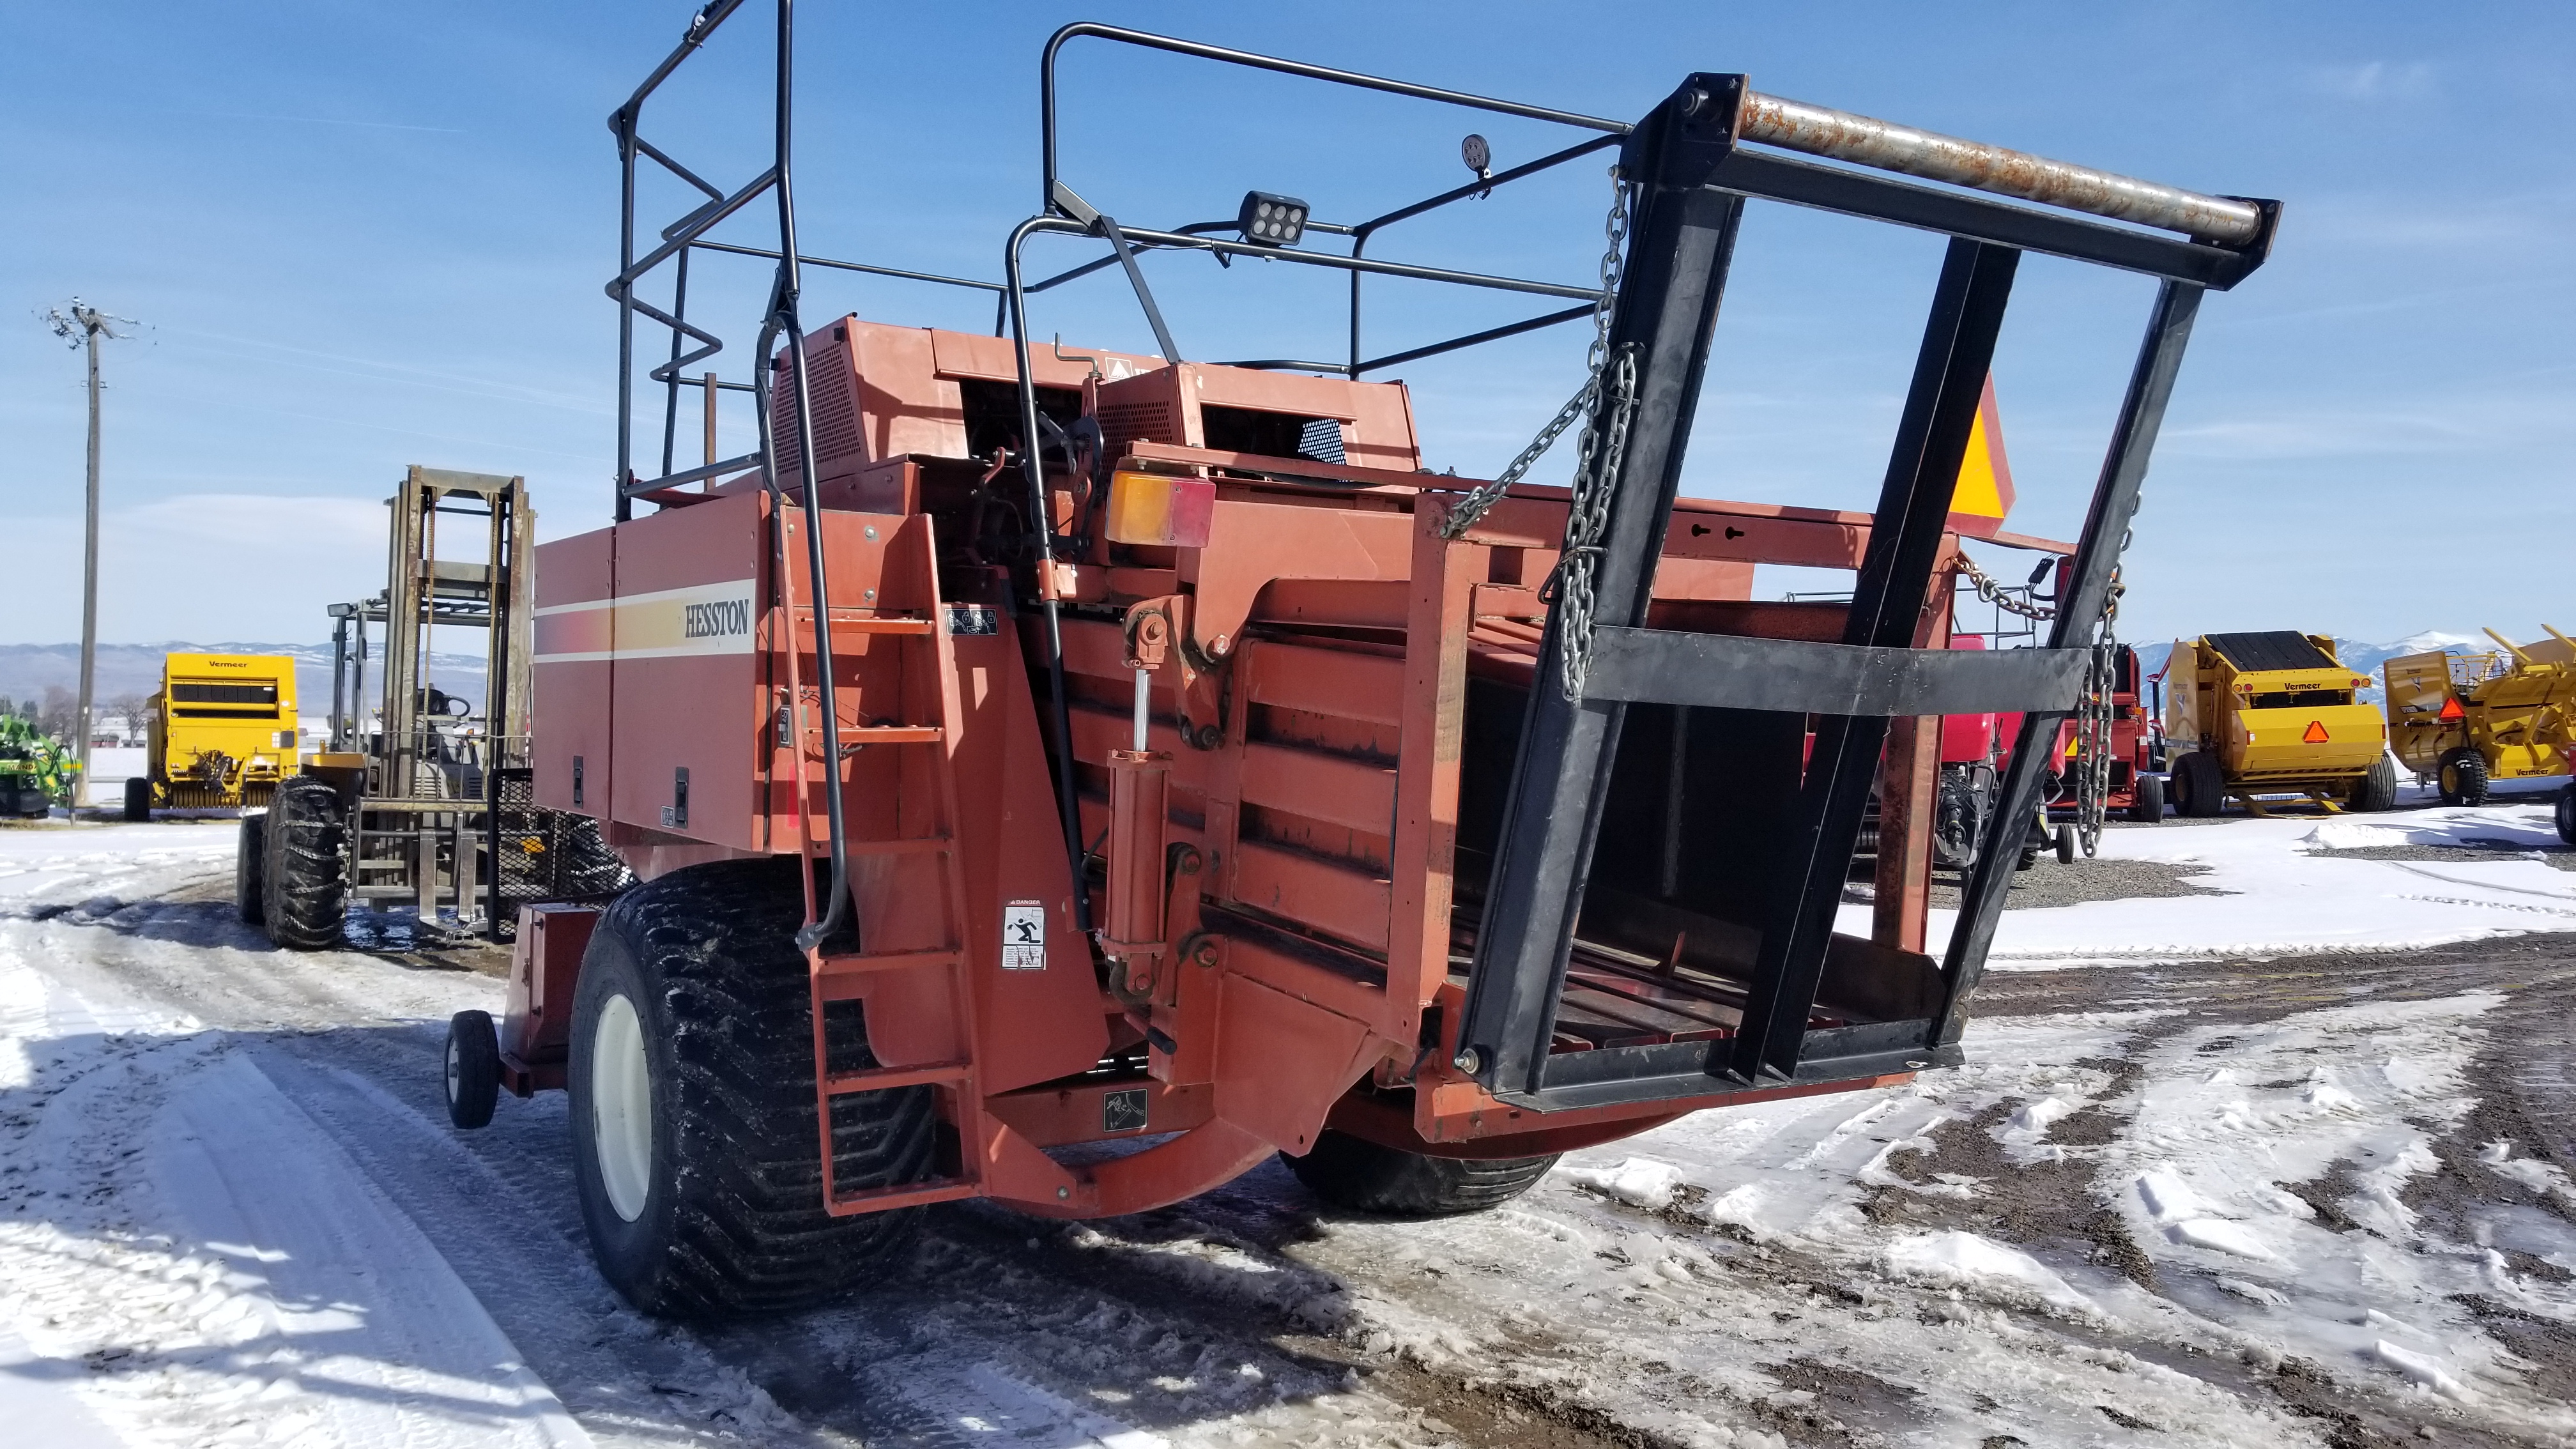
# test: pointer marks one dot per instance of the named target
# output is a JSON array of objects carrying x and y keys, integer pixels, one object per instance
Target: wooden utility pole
[{"x": 84, "y": 325}]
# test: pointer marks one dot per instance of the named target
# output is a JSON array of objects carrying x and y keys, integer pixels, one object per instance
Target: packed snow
[
  {"x": 2279, "y": 887},
  {"x": 231, "y": 1214}
]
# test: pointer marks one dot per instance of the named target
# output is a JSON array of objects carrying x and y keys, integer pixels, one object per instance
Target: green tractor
[{"x": 36, "y": 774}]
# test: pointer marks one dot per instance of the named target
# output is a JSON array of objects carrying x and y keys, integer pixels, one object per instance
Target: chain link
[
  {"x": 1587, "y": 517},
  {"x": 1997, "y": 594},
  {"x": 1586, "y": 402},
  {"x": 2095, "y": 717}
]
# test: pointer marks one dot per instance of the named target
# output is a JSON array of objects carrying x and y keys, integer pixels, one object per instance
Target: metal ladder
[{"x": 838, "y": 975}]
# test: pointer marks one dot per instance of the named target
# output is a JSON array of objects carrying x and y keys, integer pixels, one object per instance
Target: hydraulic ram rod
[{"x": 1865, "y": 141}]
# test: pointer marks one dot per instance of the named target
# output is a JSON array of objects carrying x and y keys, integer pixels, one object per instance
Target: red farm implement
[{"x": 1069, "y": 777}]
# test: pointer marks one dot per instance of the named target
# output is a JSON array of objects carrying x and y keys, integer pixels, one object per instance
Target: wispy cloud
[
  {"x": 324, "y": 121},
  {"x": 2371, "y": 80}
]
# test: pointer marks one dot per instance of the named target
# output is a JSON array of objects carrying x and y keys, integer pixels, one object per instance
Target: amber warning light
[{"x": 1159, "y": 508}]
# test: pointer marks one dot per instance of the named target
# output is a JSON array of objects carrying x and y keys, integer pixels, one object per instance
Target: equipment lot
[{"x": 2236, "y": 1182}]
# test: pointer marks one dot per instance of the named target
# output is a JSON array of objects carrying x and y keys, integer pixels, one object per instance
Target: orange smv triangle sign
[
  {"x": 1985, "y": 492},
  {"x": 2316, "y": 734}
]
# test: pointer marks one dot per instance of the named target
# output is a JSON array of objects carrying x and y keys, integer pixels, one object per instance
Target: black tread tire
[
  {"x": 590, "y": 867},
  {"x": 1350, "y": 1172},
  {"x": 304, "y": 888},
  {"x": 2376, "y": 790},
  {"x": 250, "y": 861},
  {"x": 2201, "y": 787},
  {"x": 2462, "y": 777},
  {"x": 473, "y": 1069},
  {"x": 2029, "y": 858},
  {"x": 2566, "y": 813},
  {"x": 733, "y": 1220},
  {"x": 2066, "y": 845},
  {"x": 138, "y": 798},
  {"x": 2147, "y": 800}
]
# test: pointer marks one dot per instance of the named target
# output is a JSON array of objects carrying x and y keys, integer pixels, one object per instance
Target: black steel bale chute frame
[{"x": 1690, "y": 175}]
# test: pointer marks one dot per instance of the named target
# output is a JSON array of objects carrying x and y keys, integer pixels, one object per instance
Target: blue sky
[{"x": 363, "y": 236}]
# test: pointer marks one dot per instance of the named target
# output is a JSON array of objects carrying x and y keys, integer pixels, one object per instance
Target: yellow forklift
[
  {"x": 2465, "y": 720},
  {"x": 2272, "y": 713}
]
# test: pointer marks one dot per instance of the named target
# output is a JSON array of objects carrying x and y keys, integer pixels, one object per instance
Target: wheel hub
[{"x": 621, "y": 1081}]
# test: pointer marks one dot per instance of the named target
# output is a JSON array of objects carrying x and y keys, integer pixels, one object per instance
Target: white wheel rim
[
  {"x": 455, "y": 1067},
  {"x": 621, "y": 1108}
]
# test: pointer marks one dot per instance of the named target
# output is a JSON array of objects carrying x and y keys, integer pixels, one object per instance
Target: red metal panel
[
  {"x": 1328, "y": 681},
  {"x": 1032, "y": 1026},
  {"x": 691, "y": 599},
  {"x": 571, "y": 693},
  {"x": 1333, "y": 899},
  {"x": 545, "y": 968},
  {"x": 1283, "y": 1062},
  {"x": 1325, "y": 787},
  {"x": 1251, "y": 544}
]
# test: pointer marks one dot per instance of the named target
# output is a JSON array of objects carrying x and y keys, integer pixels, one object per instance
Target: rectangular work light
[{"x": 1271, "y": 221}]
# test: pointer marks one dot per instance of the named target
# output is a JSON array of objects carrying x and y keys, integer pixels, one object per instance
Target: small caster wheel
[
  {"x": 473, "y": 1068},
  {"x": 2066, "y": 845}
]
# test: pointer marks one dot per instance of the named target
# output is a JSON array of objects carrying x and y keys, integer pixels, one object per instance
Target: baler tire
[
  {"x": 2377, "y": 790},
  {"x": 473, "y": 1069},
  {"x": 731, "y": 1217},
  {"x": 2147, "y": 800},
  {"x": 138, "y": 798},
  {"x": 1354, "y": 1173},
  {"x": 590, "y": 868},
  {"x": 2066, "y": 845},
  {"x": 2202, "y": 792},
  {"x": 2566, "y": 813},
  {"x": 250, "y": 860},
  {"x": 304, "y": 885},
  {"x": 2462, "y": 775}
]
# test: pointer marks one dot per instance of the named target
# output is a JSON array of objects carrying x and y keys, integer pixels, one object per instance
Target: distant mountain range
[{"x": 135, "y": 669}]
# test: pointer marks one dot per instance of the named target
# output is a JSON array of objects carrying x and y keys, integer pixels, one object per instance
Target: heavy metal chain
[
  {"x": 1587, "y": 518},
  {"x": 1586, "y": 402},
  {"x": 1995, "y": 594},
  {"x": 2094, "y": 718}
]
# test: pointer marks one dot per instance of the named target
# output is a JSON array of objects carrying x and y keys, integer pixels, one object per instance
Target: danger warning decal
[
  {"x": 1024, "y": 936},
  {"x": 703, "y": 619}
]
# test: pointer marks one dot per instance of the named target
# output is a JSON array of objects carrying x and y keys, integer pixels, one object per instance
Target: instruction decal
[{"x": 1024, "y": 936}]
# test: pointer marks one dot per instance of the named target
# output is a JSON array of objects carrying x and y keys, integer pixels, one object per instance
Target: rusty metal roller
[{"x": 1867, "y": 141}]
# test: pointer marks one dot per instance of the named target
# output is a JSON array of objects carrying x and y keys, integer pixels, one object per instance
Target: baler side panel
[
  {"x": 687, "y": 672},
  {"x": 576, "y": 585}
]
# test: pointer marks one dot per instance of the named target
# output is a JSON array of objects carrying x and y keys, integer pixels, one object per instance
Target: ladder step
[
  {"x": 901, "y": 845},
  {"x": 881, "y": 626},
  {"x": 898, "y": 734},
  {"x": 879, "y": 1079},
  {"x": 910, "y": 1194},
  {"x": 890, "y": 735},
  {"x": 861, "y": 963}
]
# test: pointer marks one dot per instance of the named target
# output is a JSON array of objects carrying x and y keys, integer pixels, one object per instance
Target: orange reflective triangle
[
  {"x": 1984, "y": 495},
  {"x": 2316, "y": 734},
  {"x": 2451, "y": 709}
]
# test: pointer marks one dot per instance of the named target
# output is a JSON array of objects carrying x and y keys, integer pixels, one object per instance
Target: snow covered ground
[
  {"x": 2281, "y": 1162},
  {"x": 2290, "y": 885}
]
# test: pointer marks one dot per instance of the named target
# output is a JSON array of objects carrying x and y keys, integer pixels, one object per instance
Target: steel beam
[{"x": 1904, "y": 547}]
